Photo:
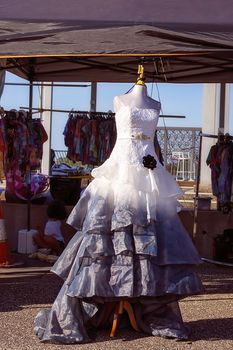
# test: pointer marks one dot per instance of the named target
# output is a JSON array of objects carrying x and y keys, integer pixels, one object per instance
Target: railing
[
  {"x": 171, "y": 140},
  {"x": 182, "y": 140},
  {"x": 60, "y": 156}
]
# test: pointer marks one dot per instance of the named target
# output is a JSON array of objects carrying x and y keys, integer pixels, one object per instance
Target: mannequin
[{"x": 137, "y": 97}]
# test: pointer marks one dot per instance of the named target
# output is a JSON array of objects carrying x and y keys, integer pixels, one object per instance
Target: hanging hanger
[{"x": 141, "y": 77}]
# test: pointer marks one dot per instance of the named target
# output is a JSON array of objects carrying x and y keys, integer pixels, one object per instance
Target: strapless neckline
[{"x": 136, "y": 108}]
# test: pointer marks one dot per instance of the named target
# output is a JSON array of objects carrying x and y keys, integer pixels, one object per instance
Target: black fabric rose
[{"x": 149, "y": 162}]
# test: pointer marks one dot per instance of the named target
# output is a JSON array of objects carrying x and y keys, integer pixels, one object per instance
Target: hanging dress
[{"x": 130, "y": 244}]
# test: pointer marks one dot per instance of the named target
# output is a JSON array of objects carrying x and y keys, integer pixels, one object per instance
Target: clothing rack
[
  {"x": 201, "y": 134},
  {"x": 92, "y": 115},
  {"x": 84, "y": 113},
  {"x": 13, "y": 113},
  {"x": 22, "y": 116},
  {"x": 40, "y": 110}
]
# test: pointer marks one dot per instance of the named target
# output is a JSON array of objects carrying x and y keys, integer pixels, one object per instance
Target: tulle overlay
[{"x": 130, "y": 244}]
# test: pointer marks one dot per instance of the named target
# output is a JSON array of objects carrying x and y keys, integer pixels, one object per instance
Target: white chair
[{"x": 183, "y": 169}]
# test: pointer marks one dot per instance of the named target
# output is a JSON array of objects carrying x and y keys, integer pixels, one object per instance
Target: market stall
[{"x": 176, "y": 42}]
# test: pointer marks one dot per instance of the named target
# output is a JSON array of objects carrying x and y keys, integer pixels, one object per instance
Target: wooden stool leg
[
  {"x": 118, "y": 311},
  {"x": 127, "y": 306}
]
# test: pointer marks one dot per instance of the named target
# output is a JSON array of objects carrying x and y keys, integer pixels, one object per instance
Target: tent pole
[
  {"x": 29, "y": 180},
  {"x": 47, "y": 120},
  {"x": 30, "y": 95},
  {"x": 222, "y": 107},
  {"x": 198, "y": 182},
  {"x": 93, "y": 97},
  {"x": 197, "y": 192}
]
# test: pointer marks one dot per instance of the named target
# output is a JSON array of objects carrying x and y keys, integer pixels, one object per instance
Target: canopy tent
[{"x": 82, "y": 40}]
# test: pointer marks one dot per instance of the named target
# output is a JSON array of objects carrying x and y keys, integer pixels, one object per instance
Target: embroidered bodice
[
  {"x": 133, "y": 122},
  {"x": 135, "y": 134}
]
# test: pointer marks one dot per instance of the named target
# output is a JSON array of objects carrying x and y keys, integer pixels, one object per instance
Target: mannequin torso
[{"x": 137, "y": 97}]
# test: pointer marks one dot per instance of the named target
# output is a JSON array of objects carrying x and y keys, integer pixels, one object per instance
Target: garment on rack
[
  {"x": 90, "y": 137},
  {"x": 220, "y": 160},
  {"x": 225, "y": 160},
  {"x": 130, "y": 244},
  {"x": 212, "y": 162},
  {"x": 21, "y": 140}
]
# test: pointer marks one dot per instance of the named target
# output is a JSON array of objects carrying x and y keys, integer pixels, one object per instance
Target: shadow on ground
[{"x": 211, "y": 329}]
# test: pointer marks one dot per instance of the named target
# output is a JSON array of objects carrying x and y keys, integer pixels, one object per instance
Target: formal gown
[{"x": 130, "y": 244}]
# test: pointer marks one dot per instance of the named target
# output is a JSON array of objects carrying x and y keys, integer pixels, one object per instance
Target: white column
[
  {"x": 46, "y": 117},
  {"x": 210, "y": 125}
]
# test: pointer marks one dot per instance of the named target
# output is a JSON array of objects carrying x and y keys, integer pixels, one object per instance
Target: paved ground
[{"x": 25, "y": 290}]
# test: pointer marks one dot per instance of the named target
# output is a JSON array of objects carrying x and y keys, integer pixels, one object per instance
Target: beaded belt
[{"x": 138, "y": 136}]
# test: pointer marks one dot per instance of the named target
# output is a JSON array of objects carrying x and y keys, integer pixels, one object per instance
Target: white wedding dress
[{"x": 130, "y": 244}]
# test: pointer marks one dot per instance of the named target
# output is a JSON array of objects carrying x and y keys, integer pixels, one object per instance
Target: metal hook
[{"x": 141, "y": 78}]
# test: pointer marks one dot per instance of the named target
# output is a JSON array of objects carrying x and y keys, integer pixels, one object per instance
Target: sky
[{"x": 176, "y": 99}]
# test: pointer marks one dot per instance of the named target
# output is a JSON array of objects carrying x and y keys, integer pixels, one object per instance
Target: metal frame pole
[
  {"x": 222, "y": 106},
  {"x": 29, "y": 199},
  {"x": 197, "y": 191},
  {"x": 48, "y": 84},
  {"x": 93, "y": 97}
]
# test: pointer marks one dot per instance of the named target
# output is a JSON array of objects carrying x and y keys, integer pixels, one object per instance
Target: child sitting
[{"x": 51, "y": 237}]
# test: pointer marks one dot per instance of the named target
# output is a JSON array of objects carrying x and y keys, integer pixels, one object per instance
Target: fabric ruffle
[
  {"x": 128, "y": 240},
  {"x": 131, "y": 277},
  {"x": 109, "y": 203},
  {"x": 131, "y": 237},
  {"x": 165, "y": 242},
  {"x": 131, "y": 262}
]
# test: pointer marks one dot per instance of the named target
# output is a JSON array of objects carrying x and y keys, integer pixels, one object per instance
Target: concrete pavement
[{"x": 27, "y": 289}]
